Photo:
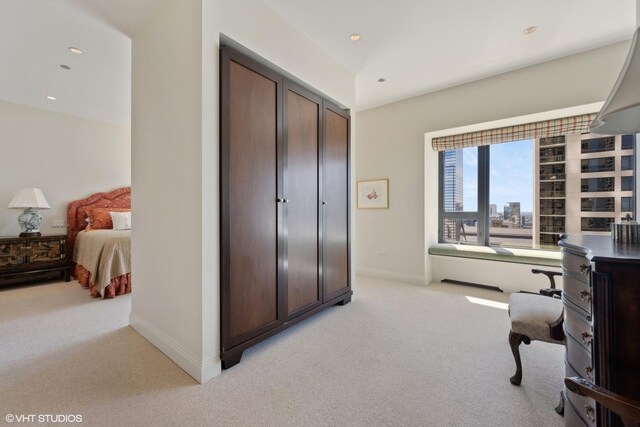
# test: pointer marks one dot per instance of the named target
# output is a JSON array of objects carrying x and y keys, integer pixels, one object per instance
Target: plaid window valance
[{"x": 548, "y": 128}]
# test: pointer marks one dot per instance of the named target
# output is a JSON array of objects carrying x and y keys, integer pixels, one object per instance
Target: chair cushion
[{"x": 531, "y": 315}]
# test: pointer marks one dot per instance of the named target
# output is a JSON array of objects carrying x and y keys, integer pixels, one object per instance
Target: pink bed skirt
[{"x": 118, "y": 285}]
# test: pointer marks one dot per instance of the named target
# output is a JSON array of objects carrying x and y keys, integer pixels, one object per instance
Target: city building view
[{"x": 539, "y": 189}]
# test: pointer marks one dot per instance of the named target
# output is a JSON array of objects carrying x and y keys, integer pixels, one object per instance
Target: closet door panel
[
  {"x": 252, "y": 215},
  {"x": 336, "y": 210},
  {"x": 302, "y": 136}
]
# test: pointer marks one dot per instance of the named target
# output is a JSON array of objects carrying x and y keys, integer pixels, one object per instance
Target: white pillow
[{"x": 121, "y": 220}]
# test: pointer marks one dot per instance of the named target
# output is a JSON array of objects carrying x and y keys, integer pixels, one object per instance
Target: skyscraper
[
  {"x": 512, "y": 213},
  {"x": 453, "y": 181}
]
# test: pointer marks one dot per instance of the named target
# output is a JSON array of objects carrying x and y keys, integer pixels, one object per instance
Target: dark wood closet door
[
  {"x": 336, "y": 197},
  {"x": 250, "y": 220},
  {"x": 302, "y": 128}
]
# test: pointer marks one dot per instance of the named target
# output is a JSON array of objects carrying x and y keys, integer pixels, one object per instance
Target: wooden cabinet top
[
  {"x": 42, "y": 237},
  {"x": 601, "y": 248}
]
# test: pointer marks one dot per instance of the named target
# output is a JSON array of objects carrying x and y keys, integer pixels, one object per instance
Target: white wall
[
  {"x": 390, "y": 143},
  {"x": 175, "y": 160},
  {"x": 66, "y": 156}
]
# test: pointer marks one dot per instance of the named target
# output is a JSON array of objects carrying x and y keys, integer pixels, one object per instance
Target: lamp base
[
  {"x": 31, "y": 234},
  {"x": 29, "y": 222}
]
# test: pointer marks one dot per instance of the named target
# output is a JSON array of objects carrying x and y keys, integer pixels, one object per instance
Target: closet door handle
[
  {"x": 324, "y": 203},
  {"x": 279, "y": 200},
  {"x": 286, "y": 200}
]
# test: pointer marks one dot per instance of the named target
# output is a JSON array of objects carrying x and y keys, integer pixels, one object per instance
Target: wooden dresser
[
  {"x": 602, "y": 322},
  {"x": 27, "y": 259}
]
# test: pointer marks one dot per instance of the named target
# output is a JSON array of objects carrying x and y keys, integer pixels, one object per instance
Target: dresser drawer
[
  {"x": 579, "y": 412},
  {"x": 577, "y": 291},
  {"x": 585, "y": 407},
  {"x": 577, "y": 327},
  {"x": 577, "y": 266},
  {"x": 579, "y": 360},
  {"x": 571, "y": 417}
]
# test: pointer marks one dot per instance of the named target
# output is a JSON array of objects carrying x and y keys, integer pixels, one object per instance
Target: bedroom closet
[{"x": 284, "y": 203}]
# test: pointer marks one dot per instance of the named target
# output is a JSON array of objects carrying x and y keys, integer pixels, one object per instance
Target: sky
[{"x": 511, "y": 175}]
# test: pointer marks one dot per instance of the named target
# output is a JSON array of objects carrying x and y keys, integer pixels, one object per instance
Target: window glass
[
  {"x": 628, "y": 142},
  {"x": 511, "y": 194},
  {"x": 461, "y": 180},
  {"x": 590, "y": 185},
  {"x": 626, "y": 204},
  {"x": 626, "y": 183},
  {"x": 626, "y": 163},
  {"x": 460, "y": 231},
  {"x": 604, "y": 164},
  {"x": 598, "y": 204},
  {"x": 596, "y": 224},
  {"x": 596, "y": 145}
]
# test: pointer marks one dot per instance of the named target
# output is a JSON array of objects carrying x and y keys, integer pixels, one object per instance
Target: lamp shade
[
  {"x": 620, "y": 114},
  {"x": 29, "y": 198}
]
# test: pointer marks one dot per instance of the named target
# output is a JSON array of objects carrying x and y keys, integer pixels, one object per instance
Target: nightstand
[{"x": 28, "y": 259}]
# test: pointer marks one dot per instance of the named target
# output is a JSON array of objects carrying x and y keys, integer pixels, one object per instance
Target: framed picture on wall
[{"x": 373, "y": 194}]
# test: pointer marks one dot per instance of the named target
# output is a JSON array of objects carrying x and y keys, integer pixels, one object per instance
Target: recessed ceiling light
[
  {"x": 52, "y": 98},
  {"x": 66, "y": 67},
  {"x": 354, "y": 37},
  {"x": 381, "y": 80},
  {"x": 75, "y": 50},
  {"x": 530, "y": 30}
]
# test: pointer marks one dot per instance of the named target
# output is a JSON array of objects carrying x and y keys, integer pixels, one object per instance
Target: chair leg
[
  {"x": 514, "y": 341},
  {"x": 560, "y": 407}
]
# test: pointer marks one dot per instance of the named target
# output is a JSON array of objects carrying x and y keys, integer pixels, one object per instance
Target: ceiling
[
  {"x": 34, "y": 37},
  {"x": 418, "y": 46},
  {"x": 421, "y": 46}
]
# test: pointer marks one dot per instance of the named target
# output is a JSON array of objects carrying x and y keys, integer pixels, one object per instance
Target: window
[
  {"x": 604, "y": 164},
  {"x": 552, "y": 207},
  {"x": 596, "y": 224},
  {"x": 597, "y": 145},
  {"x": 598, "y": 204},
  {"x": 525, "y": 193},
  {"x": 628, "y": 142},
  {"x": 511, "y": 192},
  {"x": 459, "y": 169},
  {"x": 591, "y": 185},
  {"x": 552, "y": 172}
]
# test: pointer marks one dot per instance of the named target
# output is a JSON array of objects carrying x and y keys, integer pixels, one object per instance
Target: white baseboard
[
  {"x": 201, "y": 371},
  {"x": 392, "y": 275}
]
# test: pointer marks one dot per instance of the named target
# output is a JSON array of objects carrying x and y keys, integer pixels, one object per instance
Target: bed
[{"x": 101, "y": 258}]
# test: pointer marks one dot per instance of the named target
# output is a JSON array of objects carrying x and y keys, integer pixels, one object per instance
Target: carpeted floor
[{"x": 397, "y": 355}]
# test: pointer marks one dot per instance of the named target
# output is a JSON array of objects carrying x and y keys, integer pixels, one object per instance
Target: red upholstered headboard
[{"x": 77, "y": 211}]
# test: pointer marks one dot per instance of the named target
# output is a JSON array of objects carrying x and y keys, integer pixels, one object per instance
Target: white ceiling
[
  {"x": 420, "y": 46},
  {"x": 34, "y": 37}
]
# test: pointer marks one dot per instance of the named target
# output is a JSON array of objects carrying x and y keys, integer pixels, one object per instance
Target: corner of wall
[{"x": 202, "y": 370}]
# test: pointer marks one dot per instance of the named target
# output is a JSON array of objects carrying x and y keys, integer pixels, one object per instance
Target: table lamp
[{"x": 29, "y": 199}]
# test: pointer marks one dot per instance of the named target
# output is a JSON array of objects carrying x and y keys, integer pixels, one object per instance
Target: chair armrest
[
  {"x": 551, "y": 292},
  {"x": 549, "y": 274},
  {"x": 627, "y": 409}
]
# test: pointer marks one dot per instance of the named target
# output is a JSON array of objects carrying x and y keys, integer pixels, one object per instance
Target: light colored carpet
[{"x": 397, "y": 355}]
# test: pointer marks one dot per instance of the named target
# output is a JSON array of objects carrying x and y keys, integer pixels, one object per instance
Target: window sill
[{"x": 514, "y": 255}]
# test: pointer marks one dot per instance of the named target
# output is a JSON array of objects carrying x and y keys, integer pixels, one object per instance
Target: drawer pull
[
  {"x": 584, "y": 269},
  {"x": 585, "y": 296},
  {"x": 589, "y": 372},
  {"x": 587, "y": 338},
  {"x": 591, "y": 413}
]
